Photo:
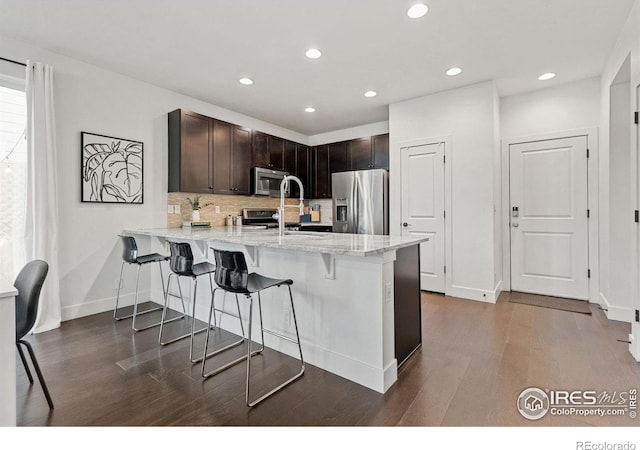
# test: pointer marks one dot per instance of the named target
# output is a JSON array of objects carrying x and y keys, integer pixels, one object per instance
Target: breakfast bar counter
[{"x": 343, "y": 288}]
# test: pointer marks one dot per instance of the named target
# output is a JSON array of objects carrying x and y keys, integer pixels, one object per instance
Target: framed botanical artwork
[{"x": 111, "y": 169}]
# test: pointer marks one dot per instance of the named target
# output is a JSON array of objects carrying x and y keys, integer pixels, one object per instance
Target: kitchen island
[
  {"x": 7, "y": 353},
  {"x": 343, "y": 291}
]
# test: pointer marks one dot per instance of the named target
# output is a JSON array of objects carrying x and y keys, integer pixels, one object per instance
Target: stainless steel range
[
  {"x": 259, "y": 218},
  {"x": 262, "y": 219}
]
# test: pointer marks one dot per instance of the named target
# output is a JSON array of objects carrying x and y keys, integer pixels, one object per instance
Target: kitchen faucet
[{"x": 284, "y": 185}]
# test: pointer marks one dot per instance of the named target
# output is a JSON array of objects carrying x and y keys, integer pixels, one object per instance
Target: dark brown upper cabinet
[
  {"x": 231, "y": 158},
  {"x": 207, "y": 155},
  {"x": 190, "y": 152},
  {"x": 290, "y": 165},
  {"x": 222, "y": 158},
  {"x": 321, "y": 184},
  {"x": 369, "y": 153},
  {"x": 268, "y": 151},
  {"x": 303, "y": 170},
  {"x": 380, "y": 150},
  {"x": 338, "y": 157},
  {"x": 241, "y": 160},
  {"x": 275, "y": 146}
]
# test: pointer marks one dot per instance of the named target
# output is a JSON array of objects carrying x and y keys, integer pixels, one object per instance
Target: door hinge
[
  {"x": 444, "y": 214},
  {"x": 445, "y": 269},
  {"x": 635, "y": 117},
  {"x": 637, "y": 315},
  {"x": 444, "y": 159},
  {"x": 587, "y": 153},
  {"x": 588, "y": 273},
  {"x": 588, "y": 213},
  {"x": 636, "y": 216}
]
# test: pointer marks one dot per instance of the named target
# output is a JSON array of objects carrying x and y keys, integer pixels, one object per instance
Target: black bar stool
[
  {"x": 181, "y": 264},
  {"x": 232, "y": 275},
  {"x": 130, "y": 256}
]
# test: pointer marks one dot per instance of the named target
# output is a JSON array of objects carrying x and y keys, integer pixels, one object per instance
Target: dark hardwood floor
[{"x": 475, "y": 360}]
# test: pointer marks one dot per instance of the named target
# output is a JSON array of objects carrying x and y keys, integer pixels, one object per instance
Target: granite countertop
[{"x": 315, "y": 242}]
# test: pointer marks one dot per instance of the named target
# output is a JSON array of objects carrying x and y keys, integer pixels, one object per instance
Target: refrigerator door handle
[
  {"x": 353, "y": 206},
  {"x": 356, "y": 206}
]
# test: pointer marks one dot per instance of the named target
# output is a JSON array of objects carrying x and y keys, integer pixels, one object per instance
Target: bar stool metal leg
[
  {"x": 193, "y": 331},
  {"x": 135, "y": 307},
  {"x": 296, "y": 341},
  {"x": 205, "y": 356},
  {"x": 163, "y": 320}
]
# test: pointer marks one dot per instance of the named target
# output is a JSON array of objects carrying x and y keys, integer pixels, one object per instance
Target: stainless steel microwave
[{"x": 266, "y": 181}]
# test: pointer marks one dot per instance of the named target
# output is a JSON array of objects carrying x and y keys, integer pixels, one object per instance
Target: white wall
[
  {"x": 618, "y": 291},
  {"x": 498, "y": 219},
  {"x": 91, "y": 99},
  {"x": 467, "y": 115},
  {"x": 628, "y": 44},
  {"x": 569, "y": 106}
]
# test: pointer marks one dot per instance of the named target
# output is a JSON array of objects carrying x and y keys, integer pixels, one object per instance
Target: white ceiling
[{"x": 202, "y": 47}]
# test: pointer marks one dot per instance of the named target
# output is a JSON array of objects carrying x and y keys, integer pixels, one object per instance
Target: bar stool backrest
[
  {"x": 231, "y": 271},
  {"x": 129, "y": 249},
  {"x": 181, "y": 261}
]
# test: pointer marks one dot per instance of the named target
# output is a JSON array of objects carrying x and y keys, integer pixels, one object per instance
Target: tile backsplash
[
  {"x": 326, "y": 209},
  {"x": 227, "y": 205}
]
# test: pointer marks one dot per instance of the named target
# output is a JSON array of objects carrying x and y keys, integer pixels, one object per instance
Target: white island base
[{"x": 343, "y": 295}]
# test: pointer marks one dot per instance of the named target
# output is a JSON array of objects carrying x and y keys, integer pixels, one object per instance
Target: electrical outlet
[
  {"x": 388, "y": 292},
  {"x": 287, "y": 317},
  {"x": 216, "y": 209},
  {"x": 170, "y": 209},
  {"x": 176, "y": 209}
]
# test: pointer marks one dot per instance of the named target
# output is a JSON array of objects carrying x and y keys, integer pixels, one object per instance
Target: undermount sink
[{"x": 305, "y": 234}]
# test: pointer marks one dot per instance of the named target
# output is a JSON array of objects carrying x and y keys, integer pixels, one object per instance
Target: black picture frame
[{"x": 111, "y": 169}]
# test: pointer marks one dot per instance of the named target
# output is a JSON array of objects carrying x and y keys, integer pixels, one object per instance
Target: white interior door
[
  {"x": 549, "y": 223},
  {"x": 422, "y": 182}
]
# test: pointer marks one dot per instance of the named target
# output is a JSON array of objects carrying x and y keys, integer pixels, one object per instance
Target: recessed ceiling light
[
  {"x": 313, "y": 53},
  {"x": 370, "y": 94},
  {"x": 246, "y": 81},
  {"x": 310, "y": 109},
  {"x": 546, "y": 76},
  {"x": 418, "y": 10},
  {"x": 454, "y": 71}
]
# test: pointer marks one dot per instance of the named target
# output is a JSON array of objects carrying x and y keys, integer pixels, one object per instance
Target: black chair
[
  {"x": 29, "y": 284},
  {"x": 181, "y": 265},
  {"x": 130, "y": 256},
  {"x": 233, "y": 276}
]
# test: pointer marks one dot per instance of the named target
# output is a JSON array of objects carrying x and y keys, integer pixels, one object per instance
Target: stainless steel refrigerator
[{"x": 360, "y": 202}]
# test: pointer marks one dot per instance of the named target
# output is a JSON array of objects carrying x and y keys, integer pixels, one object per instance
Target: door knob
[
  {"x": 405, "y": 224},
  {"x": 515, "y": 225}
]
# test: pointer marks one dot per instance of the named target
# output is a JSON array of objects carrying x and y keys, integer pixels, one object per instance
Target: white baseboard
[
  {"x": 479, "y": 295},
  {"x": 619, "y": 313},
  {"x": 100, "y": 305}
]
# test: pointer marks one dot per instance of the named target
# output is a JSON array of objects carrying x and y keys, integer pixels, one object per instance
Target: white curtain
[{"x": 41, "y": 230}]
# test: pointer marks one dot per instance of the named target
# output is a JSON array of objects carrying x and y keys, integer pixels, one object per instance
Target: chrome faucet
[{"x": 284, "y": 186}]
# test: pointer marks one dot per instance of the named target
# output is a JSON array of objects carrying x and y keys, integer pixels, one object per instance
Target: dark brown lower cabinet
[{"x": 407, "y": 309}]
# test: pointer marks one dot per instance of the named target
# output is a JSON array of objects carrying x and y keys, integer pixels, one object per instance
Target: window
[{"x": 13, "y": 179}]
